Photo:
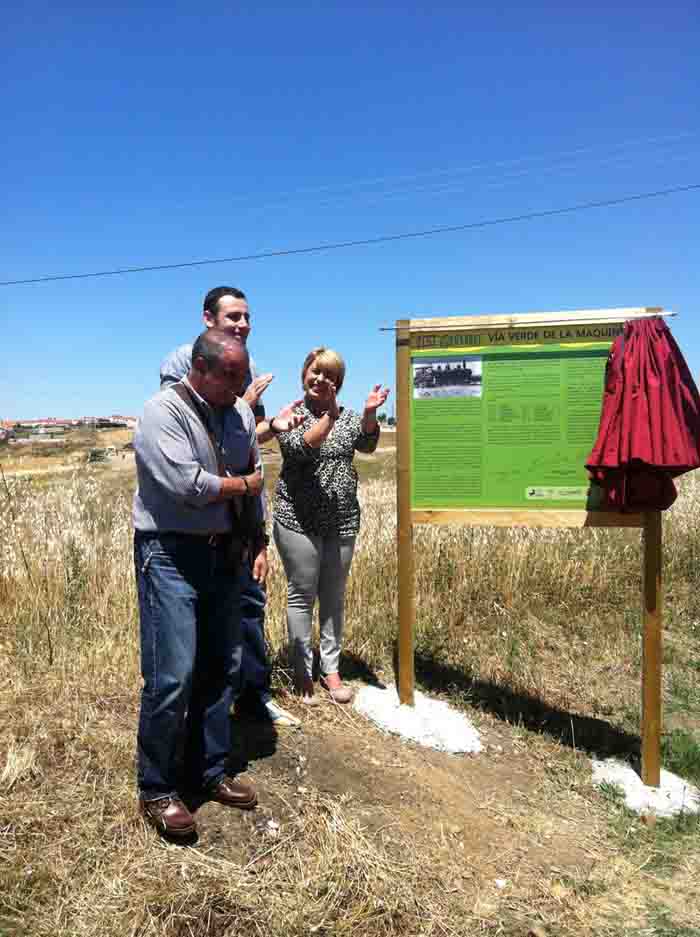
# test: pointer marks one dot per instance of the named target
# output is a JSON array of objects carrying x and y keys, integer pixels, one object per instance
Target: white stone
[
  {"x": 673, "y": 796},
  {"x": 432, "y": 723}
]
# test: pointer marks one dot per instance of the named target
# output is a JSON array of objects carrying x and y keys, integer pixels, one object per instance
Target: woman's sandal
[{"x": 338, "y": 691}]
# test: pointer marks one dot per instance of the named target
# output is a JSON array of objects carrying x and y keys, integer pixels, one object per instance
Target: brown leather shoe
[
  {"x": 169, "y": 816},
  {"x": 232, "y": 793}
]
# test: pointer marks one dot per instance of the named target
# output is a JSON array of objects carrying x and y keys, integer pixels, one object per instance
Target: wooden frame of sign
[{"x": 650, "y": 522}]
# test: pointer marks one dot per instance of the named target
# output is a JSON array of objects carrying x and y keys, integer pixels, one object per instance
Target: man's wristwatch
[{"x": 275, "y": 432}]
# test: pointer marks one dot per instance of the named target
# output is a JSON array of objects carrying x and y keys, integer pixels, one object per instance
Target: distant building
[
  {"x": 116, "y": 421},
  {"x": 54, "y": 425},
  {"x": 128, "y": 421},
  {"x": 37, "y": 440}
]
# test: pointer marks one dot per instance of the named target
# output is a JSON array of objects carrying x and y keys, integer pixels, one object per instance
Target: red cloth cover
[{"x": 650, "y": 422}]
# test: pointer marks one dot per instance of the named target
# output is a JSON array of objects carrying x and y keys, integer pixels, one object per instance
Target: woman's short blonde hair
[{"x": 329, "y": 360}]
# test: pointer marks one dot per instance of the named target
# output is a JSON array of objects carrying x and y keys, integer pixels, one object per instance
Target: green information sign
[
  {"x": 496, "y": 418},
  {"x": 506, "y": 419}
]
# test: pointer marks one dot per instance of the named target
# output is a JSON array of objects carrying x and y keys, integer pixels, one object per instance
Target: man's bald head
[
  {"x": 212, "y": 344},
  {"x": 219, "y": 367}
]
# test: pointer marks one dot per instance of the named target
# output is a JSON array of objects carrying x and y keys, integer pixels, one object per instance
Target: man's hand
[
  {"x": 257, "y": 389},
  {"x": 233, "y": 486},
  {"x": 255, "y": 483},
  {"x": 376, "y": 398},
  {"x": 287, "y": 419},
  {"x": 261, "y": 566}
]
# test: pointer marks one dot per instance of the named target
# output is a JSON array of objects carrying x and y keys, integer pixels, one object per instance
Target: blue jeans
[
  {"x": 255, "y": 669},
  {"x": 190, "y": 661}
]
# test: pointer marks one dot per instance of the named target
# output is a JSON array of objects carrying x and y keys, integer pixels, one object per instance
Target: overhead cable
[{"x": 361, "y": 242}]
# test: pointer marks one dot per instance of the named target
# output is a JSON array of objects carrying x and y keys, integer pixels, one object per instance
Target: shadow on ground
[
  {"x": 253, "y": 740},
  {"x": 584, "y": 733},
  {"x": 353, "y": 667}
]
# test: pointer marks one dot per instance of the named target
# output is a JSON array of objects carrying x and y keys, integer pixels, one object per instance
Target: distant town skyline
[{"x": 72, "y": 421}]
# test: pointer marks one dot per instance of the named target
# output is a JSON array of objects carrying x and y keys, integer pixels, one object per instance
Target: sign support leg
[
  {"x": 652, "y": 653},
  {"x": 406, "y": 583}
]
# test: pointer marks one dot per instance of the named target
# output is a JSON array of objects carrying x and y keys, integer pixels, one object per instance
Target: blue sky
[{"x": 148, "y": 134}]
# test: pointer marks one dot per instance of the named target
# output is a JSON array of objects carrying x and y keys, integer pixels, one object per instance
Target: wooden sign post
[
  {"x": 407, "y": 594},
  {"x": 652, "y": 653},
  {"x": 495, "y": 417}
]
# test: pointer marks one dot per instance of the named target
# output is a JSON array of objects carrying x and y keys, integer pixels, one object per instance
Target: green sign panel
[{"x": 506, "y": 420}]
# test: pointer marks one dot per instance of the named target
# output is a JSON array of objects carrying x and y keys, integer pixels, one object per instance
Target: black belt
[
  {"x": 218, "y": 540},
  {"x": 213, "y": 540}
]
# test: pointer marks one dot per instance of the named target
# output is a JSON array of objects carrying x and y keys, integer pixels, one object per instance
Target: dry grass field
[
  {"x": 535, "y": 634},
  {"x": 40, "y": 461}
]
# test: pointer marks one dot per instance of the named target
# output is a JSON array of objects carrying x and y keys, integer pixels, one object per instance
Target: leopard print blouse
[{"x": 317, "y": 488}]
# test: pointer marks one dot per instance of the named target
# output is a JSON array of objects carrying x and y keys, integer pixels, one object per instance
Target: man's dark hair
[
  {"x": 211, "y": 300},
  {"x": 211, "y": 344}
]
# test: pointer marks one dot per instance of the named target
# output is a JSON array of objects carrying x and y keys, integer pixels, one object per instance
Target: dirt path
[{"x": 471, "y": 816}]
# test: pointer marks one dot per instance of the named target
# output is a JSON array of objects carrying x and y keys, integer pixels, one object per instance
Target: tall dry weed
[{"x": 498, "y": 604}]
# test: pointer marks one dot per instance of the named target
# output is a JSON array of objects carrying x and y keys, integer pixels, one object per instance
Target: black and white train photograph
[{"x": 437, "y": 378}]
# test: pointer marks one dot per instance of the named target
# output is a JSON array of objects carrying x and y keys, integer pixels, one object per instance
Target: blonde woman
[{"x": 317, "y": 515}]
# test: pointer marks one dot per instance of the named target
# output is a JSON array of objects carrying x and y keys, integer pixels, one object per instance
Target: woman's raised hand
[
  {"x": 377, "y": 398},
  {"x": 333, "y": 410}
]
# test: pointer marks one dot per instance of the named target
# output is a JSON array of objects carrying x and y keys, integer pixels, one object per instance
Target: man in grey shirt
[
  {"x": 197, "y": 460},
  {"x": 226, "y": 307}
]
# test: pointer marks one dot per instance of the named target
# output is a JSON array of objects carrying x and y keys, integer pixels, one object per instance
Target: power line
[
  {"x": 363, "y": 242},
  {"x": 500, "y": 181},
  {"x": 333, "y": 189}
]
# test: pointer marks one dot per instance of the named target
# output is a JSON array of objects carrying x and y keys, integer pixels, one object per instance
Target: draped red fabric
[{"x": 649, "y": 427}]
